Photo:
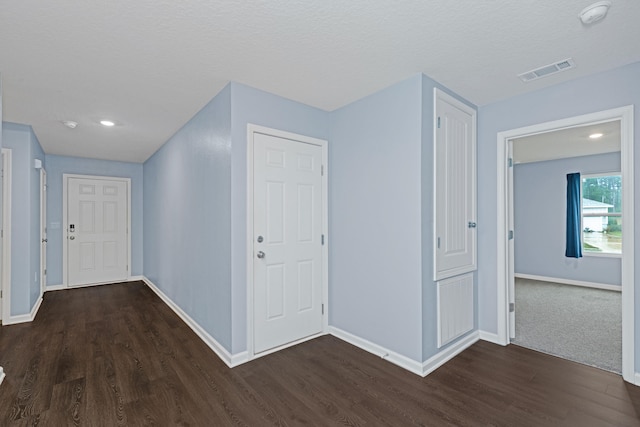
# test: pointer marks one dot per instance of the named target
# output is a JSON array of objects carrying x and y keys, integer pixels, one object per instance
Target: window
[{"x": 602, "y": 214}]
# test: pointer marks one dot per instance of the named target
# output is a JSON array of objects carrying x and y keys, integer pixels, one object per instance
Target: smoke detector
[
  {"x": 594, "y": 12},
  {"x": 70, "y": 124}
]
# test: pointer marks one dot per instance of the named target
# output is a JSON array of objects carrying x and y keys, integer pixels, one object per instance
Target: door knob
[
  {"x": 72, "y": 238},
  {"x": 260, "y": 254}
]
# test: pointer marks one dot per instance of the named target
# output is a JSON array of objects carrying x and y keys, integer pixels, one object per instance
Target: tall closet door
[{"x": 455, "y": 187}]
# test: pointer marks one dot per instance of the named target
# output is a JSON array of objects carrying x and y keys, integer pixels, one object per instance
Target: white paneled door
[
  {"x": 288, "y": 254},
  {"x": 454, "y": 187},
  {"x": 97, "y": 230},
  {"x": 43, "y": 230}
]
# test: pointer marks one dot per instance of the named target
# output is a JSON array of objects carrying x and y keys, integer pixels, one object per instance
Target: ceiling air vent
[{"x": 547, "y": 70}]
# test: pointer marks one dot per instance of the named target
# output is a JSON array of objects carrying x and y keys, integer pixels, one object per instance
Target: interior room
[
  {"x": 565, "y": 305},
  {"x": 299, "y": 212}
]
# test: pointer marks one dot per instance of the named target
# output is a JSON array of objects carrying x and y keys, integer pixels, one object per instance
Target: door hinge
[
  {"x": 45, "y": 271},
  {"x": 510, "y": 162},
  {"x": 1, "y": 233},
  {"x": 322, "y": 308},
  {"x": 512, "y": 307},
  {"x": 510, "y": 234},
  {"x": 0, "y": 294},
  {"x": 438, "y": 243},
  {"x": 127, "y": 268},
  {"x": 322, "y": 239},
  {"x": 438, "y": 122},
  {"x": 321, "y": 170}
]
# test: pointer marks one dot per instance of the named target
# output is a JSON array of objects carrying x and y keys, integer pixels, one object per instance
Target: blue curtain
[{"x": 574, "y": 242}]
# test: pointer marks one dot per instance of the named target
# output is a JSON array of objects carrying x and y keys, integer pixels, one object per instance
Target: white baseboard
[
  {"x": 637, "y": 379},
  {"x": 2, "y": 375},
  {"x": 231, "y": 360},
  {"x": 382, "y": 352},
  {"x": 24, "y": 318},
  {"x": 439, "y": 359},
  {"x": 490, "y": 337},
  {"x": 63, "y": 287},
  {"x": 594, "y": 285},
  {"x": 422, "y": 369}
]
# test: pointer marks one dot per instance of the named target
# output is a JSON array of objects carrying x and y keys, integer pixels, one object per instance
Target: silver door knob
[
  {"x": 72, "y": 238},
  {"x": 260, "y": 254}
]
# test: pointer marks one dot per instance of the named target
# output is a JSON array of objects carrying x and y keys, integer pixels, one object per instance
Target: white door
[
  {"x": 97, "y": 230},
  {"x": 454, "y": 187},
  {"x": 287, "y": 243},
  {"x": 43, "y": 229}
]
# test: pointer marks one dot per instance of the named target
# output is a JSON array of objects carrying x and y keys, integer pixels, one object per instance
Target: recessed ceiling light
[
  {"x": 595, "y": 135},
  {"x": 107, "y": 123},
  {"x": 70, "y": 124}
]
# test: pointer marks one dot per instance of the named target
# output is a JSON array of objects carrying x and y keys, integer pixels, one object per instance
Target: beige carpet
[{"x": 572, "y": 322}]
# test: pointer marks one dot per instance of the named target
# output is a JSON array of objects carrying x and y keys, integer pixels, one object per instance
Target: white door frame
[
  {"x": 43, "y": 230},
  {"x": 625, "y": 116},
  {"x": 251, "y": 131},
  {"x": 65, "y": 184},
  {"x": 6, "y": 234}
]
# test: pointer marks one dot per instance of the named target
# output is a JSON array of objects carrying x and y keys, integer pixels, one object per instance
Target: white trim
[
  {"x": 2, "y": 374},
  {"x": 637, "y": 378},
  {"x": 229, "y": 359},
  {"x": 442, "y": 357},
  {"x": 489, "y": 337},
  {"x": 65, "y": 182},
  {"x": 423, "y": 369},
  {"x": 6, "y": 240},
  {"x": 25, "y": 318},
  {"x": 86, "y": 285},
  {"x": 625, "y": 116},
  {"x": 251, "y": 130},
  {"x": 571, "y": 282},
  {"x": 382, "y": 352}
]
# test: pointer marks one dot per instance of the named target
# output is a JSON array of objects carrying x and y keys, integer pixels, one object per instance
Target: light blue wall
[
  {"x": 249, "y": 105},
  {"x": 187, "y": 218},
  {"x": 540, "y": 220},
  {"x": 611, "y": 89},
  {"x": 56, "y": 166},
  {"x": 25, "y": 214},
  {"x": 375, "y": 212}
]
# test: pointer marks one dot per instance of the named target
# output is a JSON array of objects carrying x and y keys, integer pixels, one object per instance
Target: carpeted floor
[{"x": 572, "y": 322}]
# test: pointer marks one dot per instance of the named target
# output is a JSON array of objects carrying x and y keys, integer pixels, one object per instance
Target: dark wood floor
[{"x": 116, "y": 355}]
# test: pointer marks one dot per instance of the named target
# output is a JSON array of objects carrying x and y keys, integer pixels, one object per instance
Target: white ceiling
[
  {"x": 565, "y": 143},
  {"x": 150, "y": 65}
]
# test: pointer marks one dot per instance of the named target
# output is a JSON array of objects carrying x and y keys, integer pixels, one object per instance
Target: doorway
[
  {"x": 569, "y": 307},
  {"x": 625, "y": 116},
  {"x": 43, "y": 231},
  {"x": 97, "y": 220},
  {"x": 287, "y": 239}
]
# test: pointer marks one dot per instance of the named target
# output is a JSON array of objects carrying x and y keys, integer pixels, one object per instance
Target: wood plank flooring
[{"x": 117, "y": 355}]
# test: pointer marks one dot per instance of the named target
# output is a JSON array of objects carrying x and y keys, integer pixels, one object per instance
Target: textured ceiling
[{"x": 150, "y": 65}]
